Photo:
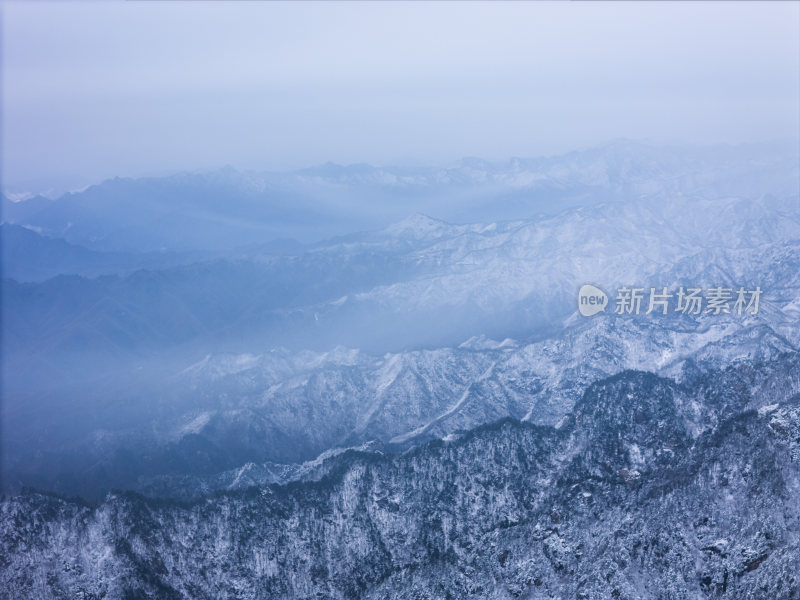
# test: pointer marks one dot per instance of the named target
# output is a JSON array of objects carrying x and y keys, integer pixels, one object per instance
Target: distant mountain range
[
  {"x": 220, "y": 210},
  {"x": 372, "y": 382},
  {"x": 215, "y": 355}
]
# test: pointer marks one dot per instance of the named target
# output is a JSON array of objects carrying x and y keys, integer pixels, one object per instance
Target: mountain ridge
[{"x": 538, "y": 511}]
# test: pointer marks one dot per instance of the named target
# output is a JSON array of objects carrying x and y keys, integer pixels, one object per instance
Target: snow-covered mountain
[
  {"x": 647, "y": 489},
  {"x": 407, "y": 403},
  {"x": 223, "y": 209},
  {"x": 285, "y": 407},
  {"x": 220, "y": 363}
]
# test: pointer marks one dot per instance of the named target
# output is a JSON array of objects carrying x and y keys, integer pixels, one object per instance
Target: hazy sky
[{"x": 97, "y": 89}]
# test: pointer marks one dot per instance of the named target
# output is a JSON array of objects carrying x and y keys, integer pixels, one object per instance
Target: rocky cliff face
[{"x": 647, "y": 489}]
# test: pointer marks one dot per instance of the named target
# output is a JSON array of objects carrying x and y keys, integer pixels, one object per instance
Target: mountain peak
[{"x": 419, "y": 226}]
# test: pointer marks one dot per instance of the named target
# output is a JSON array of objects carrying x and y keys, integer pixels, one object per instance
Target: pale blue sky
[{"x": 97, "y": 89}]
